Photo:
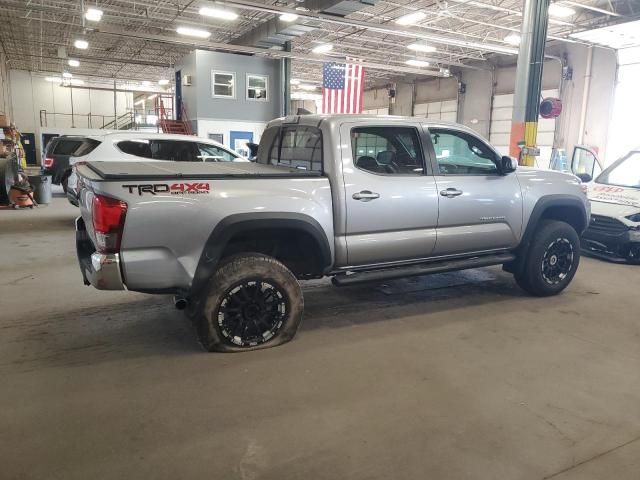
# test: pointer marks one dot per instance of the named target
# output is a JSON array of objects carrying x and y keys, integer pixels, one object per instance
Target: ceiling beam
[
  {"x": 396, "y": 30},
  {"x": 592, "y": 8},
  {"x": 218, "y": 46}
]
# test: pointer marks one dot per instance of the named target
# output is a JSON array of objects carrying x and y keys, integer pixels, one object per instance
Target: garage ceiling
[
  {"x": 622, "y": 35},
  {"x": 136, "y": 40}
]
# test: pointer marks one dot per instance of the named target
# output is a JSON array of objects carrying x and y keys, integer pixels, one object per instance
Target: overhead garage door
[
  {"x": 376, "y": 111},
  {"x": 500, "y": 129},
  {"x": 445, "y": 110}
]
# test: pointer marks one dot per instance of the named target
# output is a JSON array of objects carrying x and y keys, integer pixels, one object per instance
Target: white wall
[
  {"x": 31, "y": 93},
  {"x": 310, "y": 105},
  {"x": 436, "y": 90},
  {"x": 475, "y": 105},
  {"x": 403, "y": 104},
  {"x": 375, "y": 98},
  {"x": 623, "y": 130}
]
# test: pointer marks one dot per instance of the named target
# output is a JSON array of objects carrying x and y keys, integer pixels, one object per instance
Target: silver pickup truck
[{"x": 358, "y": 198}]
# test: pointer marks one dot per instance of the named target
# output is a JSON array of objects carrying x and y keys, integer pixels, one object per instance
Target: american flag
[{"x": 342, "y": 87}]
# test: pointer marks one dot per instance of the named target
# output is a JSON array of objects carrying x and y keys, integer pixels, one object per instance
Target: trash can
[{"x": 41, "y": 185}]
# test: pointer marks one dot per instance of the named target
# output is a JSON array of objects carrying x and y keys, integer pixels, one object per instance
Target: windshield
[{"x": 624, "y": 173}]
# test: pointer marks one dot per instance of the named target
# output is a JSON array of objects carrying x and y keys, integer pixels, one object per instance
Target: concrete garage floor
[{"x": 470, "y": 381}]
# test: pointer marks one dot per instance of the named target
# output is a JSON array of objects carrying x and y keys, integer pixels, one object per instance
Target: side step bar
[{"x": 422, "y": 269}]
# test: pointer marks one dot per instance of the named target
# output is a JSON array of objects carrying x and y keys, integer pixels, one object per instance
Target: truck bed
[{"x": 161, "y": 170}]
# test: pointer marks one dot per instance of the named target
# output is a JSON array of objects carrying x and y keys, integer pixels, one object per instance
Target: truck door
[
  {"x": 480, "y": 209},
  {"x": 390, "y": 195},
  {"x": 585, "y": 163}
]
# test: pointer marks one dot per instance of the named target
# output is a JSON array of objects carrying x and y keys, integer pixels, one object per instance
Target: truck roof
[
  {"x": 316, "y": 119},
  {"x": 127, "y": 134}
]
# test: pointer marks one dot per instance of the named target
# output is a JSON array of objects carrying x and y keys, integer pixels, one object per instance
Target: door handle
[
  {"x": 450, "y": 192},
  {"x": 365, "y": 195}
]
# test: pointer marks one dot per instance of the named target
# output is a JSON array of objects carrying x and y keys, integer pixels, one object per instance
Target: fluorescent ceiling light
[
  {"x": 93, "y": 14},
  {"x": 146, "y": 83},
  {"x": 295, "y": 82},
  {"x": 151, "y": 97},
  {"x": 193, "y": 32},
  {"x": 53, "y": 79},
  {"x": 417, "y": 63},
  {"x": 324, "y": 48},
  {"x": 288, "y": 17},
  {"x": 76, "y": 81},
  {"x": 421, "y": 47},
  {"x": 163, "y": 81},
  {"x": 411, "y": 18},
  {"x": 306, "y": 87},
  {"x": 218, "y": 13},
  {"x": 512, "y": 39},
  {"x": 139, "y": 102},
  {"x": 561, "y": 11},
  {"x": 73, "y": 63},
  {"x": 67, "y": 75},
  {"x": 81, "y": 44}
]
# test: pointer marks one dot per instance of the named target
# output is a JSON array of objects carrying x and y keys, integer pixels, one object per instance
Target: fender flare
[
  {"x": 243, "y": 222},
  {"x": 541, "y": 206},
  {"x": 550, "y": 201}
]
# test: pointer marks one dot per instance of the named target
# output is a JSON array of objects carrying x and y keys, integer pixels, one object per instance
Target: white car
[
  {"x": 130, "y": 146},
  {"x": 614, "y": 230}
]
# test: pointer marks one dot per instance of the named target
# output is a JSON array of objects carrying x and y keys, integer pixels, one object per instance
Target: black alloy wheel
[
  {"x": 551, "y": 261},
  {"x": 557, "y": 261},
  {"x": 252, "y": 313},
  {"x": 253, "y": 301}
]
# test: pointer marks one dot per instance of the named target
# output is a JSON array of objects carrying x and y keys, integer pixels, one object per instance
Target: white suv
[{"x": 125, "y": 147}]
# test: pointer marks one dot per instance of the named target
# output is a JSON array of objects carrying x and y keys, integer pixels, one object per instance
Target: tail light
[
  {"x": 48, "y": 162},
  {"x": 108, "y": 223}
]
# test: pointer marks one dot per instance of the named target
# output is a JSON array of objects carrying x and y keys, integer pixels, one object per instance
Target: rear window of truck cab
[{"x": 294, "y": 146}]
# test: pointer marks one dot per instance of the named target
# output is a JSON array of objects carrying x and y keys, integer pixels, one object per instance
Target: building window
[
  {"x": 257, "y": 87},
  {"x": 223, "y": 84}
]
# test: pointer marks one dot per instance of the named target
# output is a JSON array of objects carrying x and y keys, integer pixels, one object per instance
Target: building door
[
  {"x": 29, "y": 144},
  {"x": 238, "y": 142},
  {"x": 500, "y": 128},
  {"x": 445, "y": 110}
]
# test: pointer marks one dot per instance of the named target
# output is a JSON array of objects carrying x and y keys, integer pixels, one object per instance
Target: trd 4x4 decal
[{"x": 173, "y": 189}]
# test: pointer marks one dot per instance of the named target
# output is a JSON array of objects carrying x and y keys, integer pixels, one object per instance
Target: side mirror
[
  {"x": 507, "y": 165},
  {"x": 585, "y": 177}
]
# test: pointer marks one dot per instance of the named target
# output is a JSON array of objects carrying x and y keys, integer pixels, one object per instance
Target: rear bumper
[{"x": 98, "y": 269}]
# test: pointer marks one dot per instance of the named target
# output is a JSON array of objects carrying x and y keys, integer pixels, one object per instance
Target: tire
[
  {"x": 65, "y": 184},
  {"x": 252, "y": 302},
  {"x": 551, "y": 261}
]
